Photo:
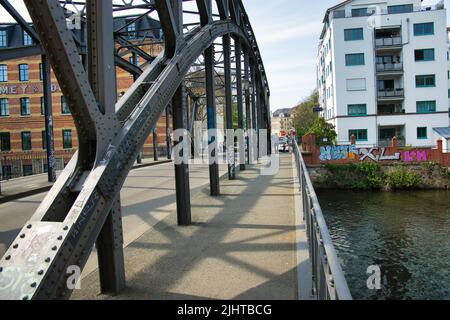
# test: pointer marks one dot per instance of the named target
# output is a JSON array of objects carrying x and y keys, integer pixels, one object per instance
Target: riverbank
[
  {"x": 405, "y": 234},
  {"x": 372, "y": 176}
]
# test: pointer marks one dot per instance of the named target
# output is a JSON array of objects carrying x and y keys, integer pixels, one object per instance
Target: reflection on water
[{"x": 407, "y": 234}]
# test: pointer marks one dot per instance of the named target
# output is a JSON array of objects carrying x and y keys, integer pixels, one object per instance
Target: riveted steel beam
[
  {"x": 229, "y": 107},
  {"x": 64, "y": 229},
  {"x": 240, "y": 105},
  {"x": 247, "y": 102}
]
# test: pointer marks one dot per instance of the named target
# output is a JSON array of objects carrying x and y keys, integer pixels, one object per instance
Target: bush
[
  {"x": 429, "y": 166},
  {"x": 363, "y": 176},
  {"x": 446, "y": 173},
  {"x": 401, "y": 178}
]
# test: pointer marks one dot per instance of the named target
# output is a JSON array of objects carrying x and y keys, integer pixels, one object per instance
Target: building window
[
  {"x": 4, "y": 107},
  {"x": 360, "y": 134},
  {"x": 360, "y": 12},
  {"x": 354, "y": 59},
  {"x": 25, "y": 107},
  {"x": 356, "y": 84},
  {"x": 422, "y": 133},
  {"x": 27, "y": 41},
  {"x": 426, "y": 106},
  {"x": 67, "y": 139},
  {"x": 357, "y": 109},
  {"x": 7, "y": 172},
  {"x": 132, "y": 31},
  {"x": 44, "y": 140},
  {"x": 402, "y": 8},
  {"x": 449, "y": 93},
  {"x": 26, "y": 141},
  {"x": 426, "y": 81},
  {"x": 424, "y": 29},
  {"x": 27, "y": 170},
  {"x": 41, "y": 72},
  {"x": 354, "y": 34},
  {"x": 5, "y": 141},
  {"x": 424, "y": 55},
  {"x": 3, "y": 39},
  {"x": 3, "y": 73},
  {"x": 42, "y": 106},
  {"x": 23, "y": 72},
  {"x": 64, "y": 106},
  {"x": 134, "y": 59}
]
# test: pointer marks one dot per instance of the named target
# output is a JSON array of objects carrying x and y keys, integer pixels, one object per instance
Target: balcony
[
  {"x": 390, "y": 109},
  {"x": 390, "y": 68},
  {"x": 384, "y": 143},
  {"x": 391, "y": 94},
  {"x": 389, "y": 43}
]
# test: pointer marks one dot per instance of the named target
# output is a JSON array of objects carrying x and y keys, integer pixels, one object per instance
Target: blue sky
[{"x": 288, "y": 33}]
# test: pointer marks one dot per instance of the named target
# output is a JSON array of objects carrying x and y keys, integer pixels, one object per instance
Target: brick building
[{"x": 22, "y": 121}]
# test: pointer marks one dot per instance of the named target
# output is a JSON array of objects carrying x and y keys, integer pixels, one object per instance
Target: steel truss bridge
[{"x": 83, "y": 208}]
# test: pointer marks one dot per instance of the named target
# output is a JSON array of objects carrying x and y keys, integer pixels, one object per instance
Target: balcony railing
[
  {"x": 384, "y": 143},
  {"x": 329, "y": 282},
  {"x": 340, "y": 14},
  {"x": 388, "y": 67},
  {"x": 388, "y": 110},
  {"x": 389, "y": 42},
  {"x": 394, "y": 93}
]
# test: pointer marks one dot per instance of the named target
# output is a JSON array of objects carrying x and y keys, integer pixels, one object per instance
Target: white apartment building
[{"x": 383, "y": 71}]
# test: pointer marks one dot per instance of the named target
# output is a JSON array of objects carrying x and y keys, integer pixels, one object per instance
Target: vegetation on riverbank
[{"x": 372, "y": 176}]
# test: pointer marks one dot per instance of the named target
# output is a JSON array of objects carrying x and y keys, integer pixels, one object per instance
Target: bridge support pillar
[
  {"x": 231, "y": 157},
  {"x": 254, "y": 139},
  {"x": 103, "y": 82},
  {"x": 168, "y": 142},
  {"x": 155, "y": 143},
  {"x": 247, "y": 104},
  {"x": 212, "y": 122},
  {"x": 181, "y": 169},
  {"x": 48, "y": 112},
  {"x": 241, "y": 134}
]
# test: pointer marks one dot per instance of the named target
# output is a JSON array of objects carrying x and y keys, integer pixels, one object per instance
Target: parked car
[{"x": 283, "y": 144}]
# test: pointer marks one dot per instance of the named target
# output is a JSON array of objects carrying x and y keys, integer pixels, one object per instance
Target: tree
[
  {"x": 304, "y": 116},
  {"x": 325, "y": 132}
]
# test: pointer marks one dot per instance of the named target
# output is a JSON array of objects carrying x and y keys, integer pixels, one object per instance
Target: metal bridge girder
[{"x": 69, "y": 221}]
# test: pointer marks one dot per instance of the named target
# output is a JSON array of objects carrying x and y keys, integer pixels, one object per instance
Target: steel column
[
  {"x": 49, "y": 137},
  {"x": 240, "y": 106},
  {"x": 212, "y": 121},
  {"x": 179, "y": 116},
  {"x": 247, "y": 101},
  {"x": 168, "y": 142},
  {"x": 254, "y": 113},
  {"x": 181, "y": 170},
  {"x": 102, "y": 78},
  {"x": 231, "y": 157},
  {"x": 155, "y": 143}
]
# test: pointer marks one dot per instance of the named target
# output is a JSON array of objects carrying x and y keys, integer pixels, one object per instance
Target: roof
[
  {"x": 286, "y": 111},
  {"x": 443, "y": 132}
]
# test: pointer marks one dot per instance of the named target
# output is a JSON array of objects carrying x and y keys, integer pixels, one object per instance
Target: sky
[{"x": 288, "y": 34}]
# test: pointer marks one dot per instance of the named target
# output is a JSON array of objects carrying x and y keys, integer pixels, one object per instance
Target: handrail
[{"x": 329, "y": 282}]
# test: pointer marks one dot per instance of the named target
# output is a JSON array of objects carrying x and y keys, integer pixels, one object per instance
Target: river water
[{"x": 405, "y": 234}]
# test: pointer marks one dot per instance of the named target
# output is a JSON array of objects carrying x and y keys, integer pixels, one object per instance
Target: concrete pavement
[
  {"x": 27, "y": 186},
  {"x": 242, "y": 245}
]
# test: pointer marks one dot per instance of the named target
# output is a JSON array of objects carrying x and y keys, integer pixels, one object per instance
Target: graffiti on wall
[
  {"x": 334, "y": 153},
  {"x": 415, "y": 156},
  {"x": 330, "y": 153},
  {"x": 377, "y": 155}
]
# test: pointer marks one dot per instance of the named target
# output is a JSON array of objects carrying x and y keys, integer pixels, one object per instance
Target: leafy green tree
[
  {"x": 304, "y": 116},
  {"x": 325, "y": 132}
]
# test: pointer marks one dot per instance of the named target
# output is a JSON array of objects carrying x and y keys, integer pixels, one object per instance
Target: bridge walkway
[{"x": 243, "y": 245}]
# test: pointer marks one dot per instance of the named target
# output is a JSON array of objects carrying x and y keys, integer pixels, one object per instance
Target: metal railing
[
  {"x": 329, "y": 282},
  {"x": 386, "y": 67},
  {"x": 394, "y": 93},
  {"x": 389, "y": 42}
]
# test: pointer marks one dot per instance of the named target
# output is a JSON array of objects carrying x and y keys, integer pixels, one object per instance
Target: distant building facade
[
  {"x": 282, "y": 121},
  {"x": 380, "y": 71},
  {"x": 22, "y": 121}
]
